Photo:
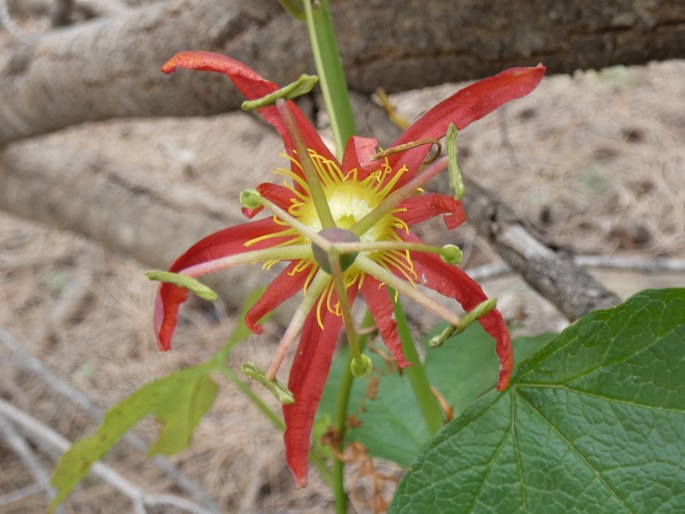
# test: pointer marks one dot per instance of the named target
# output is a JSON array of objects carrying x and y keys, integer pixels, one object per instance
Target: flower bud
[
  {"x": 250, "y": 199},
  {"x": 361, "y": 367},
  {"x": 451, "y": 254}
]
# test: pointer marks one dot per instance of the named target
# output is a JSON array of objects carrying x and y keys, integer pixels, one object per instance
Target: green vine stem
[
  {"x": 340, "y": 420},
  {"x": 430, "y": 408},
  {"x": 329, "y": 68}
]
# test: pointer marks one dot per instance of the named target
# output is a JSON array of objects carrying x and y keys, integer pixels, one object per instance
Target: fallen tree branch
[
  {"x": 551, "y": 273},
  {"x": 653, "y": 265},
  {"x": 109, "y": 67}
]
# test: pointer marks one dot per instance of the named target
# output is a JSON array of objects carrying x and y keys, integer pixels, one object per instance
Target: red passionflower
[{"x": 371, "y": 202}]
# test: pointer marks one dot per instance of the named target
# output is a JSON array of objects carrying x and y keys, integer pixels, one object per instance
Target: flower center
[{"x": 335, "y": 235}]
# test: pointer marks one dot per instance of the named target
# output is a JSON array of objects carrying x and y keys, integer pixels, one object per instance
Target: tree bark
[
  {"x": 124, "y": 209},
  {"x": 108, "y": 68}
]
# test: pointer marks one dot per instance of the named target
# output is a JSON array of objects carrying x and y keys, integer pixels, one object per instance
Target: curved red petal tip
[
  {"x": 453, "y": 282},
  {"x": 199, "y": 60},
  {"x": 168, "y": 300},
  {"x": 250, "y": 213},
  {"x": 287, "y": 284},
  {"x": 358, "y": 154}
]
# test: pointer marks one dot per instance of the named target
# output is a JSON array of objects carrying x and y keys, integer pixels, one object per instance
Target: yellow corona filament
[{"x": 350, "y": 199}]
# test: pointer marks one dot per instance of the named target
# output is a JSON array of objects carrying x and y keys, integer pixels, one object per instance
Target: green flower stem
[
  {"x": 330, "y": 71},
  {"x": 447, "y": 251},
  {"x": 340, "y": 421},
  {"x": 265, "y": 255},
  {"x": 318, "y": 195},
  {"x": 393, "y": 199},
  {"x": 430, "y": 408},
  {"x": 345, "y": 310},
  {"x": 404, "y": 287}
]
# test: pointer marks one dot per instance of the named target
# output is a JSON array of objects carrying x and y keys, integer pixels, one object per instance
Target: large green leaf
[
  {"x": 392, "y": 424},
  {"x": 593, "y": 423},
  {"x": 178, "y": 401}
]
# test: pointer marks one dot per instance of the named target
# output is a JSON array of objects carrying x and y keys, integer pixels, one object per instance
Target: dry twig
[
  {"x": 51, "y": 440},
  {"x": 30, "y": 363}
]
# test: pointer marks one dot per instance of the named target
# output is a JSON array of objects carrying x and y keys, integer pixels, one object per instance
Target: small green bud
[
  {"x": 250, "y": 198},
  {"x": 180, "y": 280},
  {"x": 281, "y": 392},
  {"x": 451, "y": 254},
  {"x": 300, "y": 87},
  {"x": 361, "y": 367}
]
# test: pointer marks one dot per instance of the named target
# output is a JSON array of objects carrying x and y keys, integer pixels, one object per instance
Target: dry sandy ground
[{"x": 596, "y": 161}]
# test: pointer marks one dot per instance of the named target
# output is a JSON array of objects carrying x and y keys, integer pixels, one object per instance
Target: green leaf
[
  {"x": 178, "y": 401},
  {"x": 592, "y": 423},
  {"x": 393, "y": 427}
]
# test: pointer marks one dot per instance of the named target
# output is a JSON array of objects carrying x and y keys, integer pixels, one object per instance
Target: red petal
[
  {"x": 452, "y": 282},
  {"x": 252, "y": 86},
  {"x": 358, "y": 153},
  {"x": 462, "y": 108},
  {"x": 378, "y": 300},
  {"x": 229, "y": 241},
  {"x": 283, "y": 287},
  {"x": 426, "y": 206},
  {"x": 280, "y": 195},
  {"x": 307, "y": 379}
]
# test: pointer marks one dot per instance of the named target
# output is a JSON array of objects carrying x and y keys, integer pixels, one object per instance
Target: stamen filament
[
  {"x": 293, "y": 222},
  {"x": 382, "y": 246},
  {"x": 310, "y": 298},
  {"x": 279, "y": 253},
  {"x": 393, "y": 199},
  {"x": 388, "y": 278},
  {"x": 316, "y": 189},
  {"x": 345, "y": 310}
]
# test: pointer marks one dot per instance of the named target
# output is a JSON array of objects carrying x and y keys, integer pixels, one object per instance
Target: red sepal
[
  {"x": 358, "y": 153},
  {"x": 252, "y": 86},
  {"x": 229, "y": 241},
  {"x": 453, "y": 282},
  {"x": 285, "y": 285},
  {"x": 307, "y": 379},
  {"x": 428, "y": 205},
  {"x": 378, "y": 300},
  {"x": 463, "y": 108}
]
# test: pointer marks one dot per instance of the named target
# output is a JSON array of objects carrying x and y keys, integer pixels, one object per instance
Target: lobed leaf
[{"x": 593, "y": 423}]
